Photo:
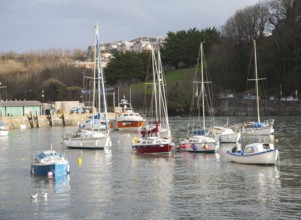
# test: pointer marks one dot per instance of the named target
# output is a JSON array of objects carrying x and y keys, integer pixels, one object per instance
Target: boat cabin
[{"x": 258, "y": 147}]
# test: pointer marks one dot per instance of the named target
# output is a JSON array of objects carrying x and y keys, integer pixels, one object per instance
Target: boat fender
[
  {"x": 205, "y": 146},
  {"x": 135, "y": 140}
]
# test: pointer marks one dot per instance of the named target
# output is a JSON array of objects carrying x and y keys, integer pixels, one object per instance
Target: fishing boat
[
  {"x": 257, "y": 127},
  {"x": 95, "y": 133},
  {"x": 155, "y": 137},
  {"x": 3, "y": 129},
  {"x": 126, "y": 118},
  {"x": 199, "y": 138},
  {"x": 255, "y": 153},
  {"x": 49, "y": 162}
]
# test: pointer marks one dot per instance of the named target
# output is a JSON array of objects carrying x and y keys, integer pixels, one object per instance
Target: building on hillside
[{"x": 20, "y": 108}]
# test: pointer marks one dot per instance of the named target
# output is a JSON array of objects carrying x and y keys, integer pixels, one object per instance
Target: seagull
[
  {"x": 33, "y": 196},
  {"x": 45, "y": 195}
]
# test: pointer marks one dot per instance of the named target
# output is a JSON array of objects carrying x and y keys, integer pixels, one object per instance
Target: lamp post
[
  {"x": 4, "y": 89},
  {"x": 43, "y": 96}
]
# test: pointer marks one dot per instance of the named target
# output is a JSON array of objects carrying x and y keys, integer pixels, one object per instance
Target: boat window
[
  {"x": 131, "y": 114},
  {"x": 125, "y": 115},
  {"x": 266, "y": 146},
  {"x": 249, "y": 150}
]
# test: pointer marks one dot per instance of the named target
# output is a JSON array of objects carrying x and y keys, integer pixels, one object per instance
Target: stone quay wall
[{"x": 242, "y": 107}]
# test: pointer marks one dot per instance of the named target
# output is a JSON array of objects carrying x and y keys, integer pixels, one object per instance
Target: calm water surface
[{"x": 119, "y": 185}]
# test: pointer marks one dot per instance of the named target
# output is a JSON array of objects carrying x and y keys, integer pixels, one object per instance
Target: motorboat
[
  {"x": 3, "y": 129},
  {"x": 49, "y": 162},
  {"x": 255, "y": 153},
  {"x": 126, "y": 118}
]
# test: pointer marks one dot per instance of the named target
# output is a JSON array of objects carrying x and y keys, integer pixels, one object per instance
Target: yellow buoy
[
  {"x": 79, "y": 161},
  {"x": 135, "y": 140}
]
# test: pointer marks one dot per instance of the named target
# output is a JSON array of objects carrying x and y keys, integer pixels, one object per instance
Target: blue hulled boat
[{"x": 49, "y": 162}]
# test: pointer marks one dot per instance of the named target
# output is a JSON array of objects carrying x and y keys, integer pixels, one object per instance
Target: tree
[
  {"x": 126, "y": 66},
  {"x": 181, "y": 48},
  {"x": 56, "y": 90},
  {"x": 247, "y": 24}
]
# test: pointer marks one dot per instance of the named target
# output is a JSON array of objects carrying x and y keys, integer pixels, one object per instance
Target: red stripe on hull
[{"x": 152, "y": 149}]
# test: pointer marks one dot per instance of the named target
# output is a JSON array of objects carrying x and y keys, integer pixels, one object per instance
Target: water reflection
[{"x": 117, "y": 184}]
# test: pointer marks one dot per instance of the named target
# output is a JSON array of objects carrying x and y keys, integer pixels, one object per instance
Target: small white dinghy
[{"x": 255, "y": 153}]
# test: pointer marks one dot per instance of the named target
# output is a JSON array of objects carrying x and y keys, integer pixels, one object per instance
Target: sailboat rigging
[
  {"x": 155, "y": 136},
  {"x": 199, "y": 138},
  {"x": 97, "y": 134},
  {"x": 257, "y": 128}
]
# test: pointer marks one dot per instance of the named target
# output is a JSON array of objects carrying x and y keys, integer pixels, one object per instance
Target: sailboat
[
  {"x": 199, "y": 138},
  {"x": 97, "y": 135},
  {"x": 258, "y": 127},
  {"x": 155, "y": 136}
]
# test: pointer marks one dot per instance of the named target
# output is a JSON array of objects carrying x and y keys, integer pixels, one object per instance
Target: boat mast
[
  {"x": 154, "y": 65},
  {"x": 202, "y": 85},
  {"x": 256, "y": 82},
  {"x": 100, "y": 79},
  {"x": 94, "y": 76}
]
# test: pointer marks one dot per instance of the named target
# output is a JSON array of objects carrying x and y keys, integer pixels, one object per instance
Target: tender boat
[
  {"x": 255, "y": 153},
  {"x": 49, "y": 161},
  {"x": 3, "y": 129}
]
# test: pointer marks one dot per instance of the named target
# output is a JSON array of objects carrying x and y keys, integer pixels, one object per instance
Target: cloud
[{"x": 35, "y": 24}]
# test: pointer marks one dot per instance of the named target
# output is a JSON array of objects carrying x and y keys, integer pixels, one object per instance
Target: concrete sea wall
[{"x": 47, "y": 120}]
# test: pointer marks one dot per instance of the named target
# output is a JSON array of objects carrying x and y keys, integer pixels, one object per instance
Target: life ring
[
  {"x": 205, "y": 146},
  {"x": 135, "y": 140}
]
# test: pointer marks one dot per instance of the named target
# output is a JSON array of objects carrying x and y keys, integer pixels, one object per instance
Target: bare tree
[{"x": 247, "y": 24}]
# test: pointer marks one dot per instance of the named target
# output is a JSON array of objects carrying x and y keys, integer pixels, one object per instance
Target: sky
[{"x": 29, "y": 25}]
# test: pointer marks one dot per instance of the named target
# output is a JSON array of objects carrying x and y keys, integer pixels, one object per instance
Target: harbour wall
[
  {"x": 46, "y": 120},
  {"x": 223, "y": 107},
  {"x": 241, "y": 107}
]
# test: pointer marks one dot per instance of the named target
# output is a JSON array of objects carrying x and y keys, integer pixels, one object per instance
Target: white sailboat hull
[
  {"x": 199, "y": 144},
  {"x": 258, "y": 131},
  {"x": 88, "y": 142}
]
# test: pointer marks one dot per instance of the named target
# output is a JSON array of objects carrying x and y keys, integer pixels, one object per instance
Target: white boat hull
[
  {"x": 264, "y": 158},
  {"x": 88, "y": 143},
  {"x": 3, "y": 132},
  {"x": 199, "y": 144},
  {"x": 258, "y": 131},
  {"x": 229, "y": 138}
]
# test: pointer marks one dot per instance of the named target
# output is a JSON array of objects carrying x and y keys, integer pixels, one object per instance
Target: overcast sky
[{"x": 42, "y": 24}]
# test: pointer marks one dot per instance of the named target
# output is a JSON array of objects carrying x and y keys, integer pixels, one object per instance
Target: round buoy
[
  {"x": 79, "y": 161},
  {"x": 50, "y": 174}
]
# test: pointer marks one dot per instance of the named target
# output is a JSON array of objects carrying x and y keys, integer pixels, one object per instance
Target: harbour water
[{"x": 117, "y": 184}]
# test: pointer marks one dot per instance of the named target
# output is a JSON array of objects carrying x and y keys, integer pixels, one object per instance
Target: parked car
[{"x": 76, "y": 110}]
